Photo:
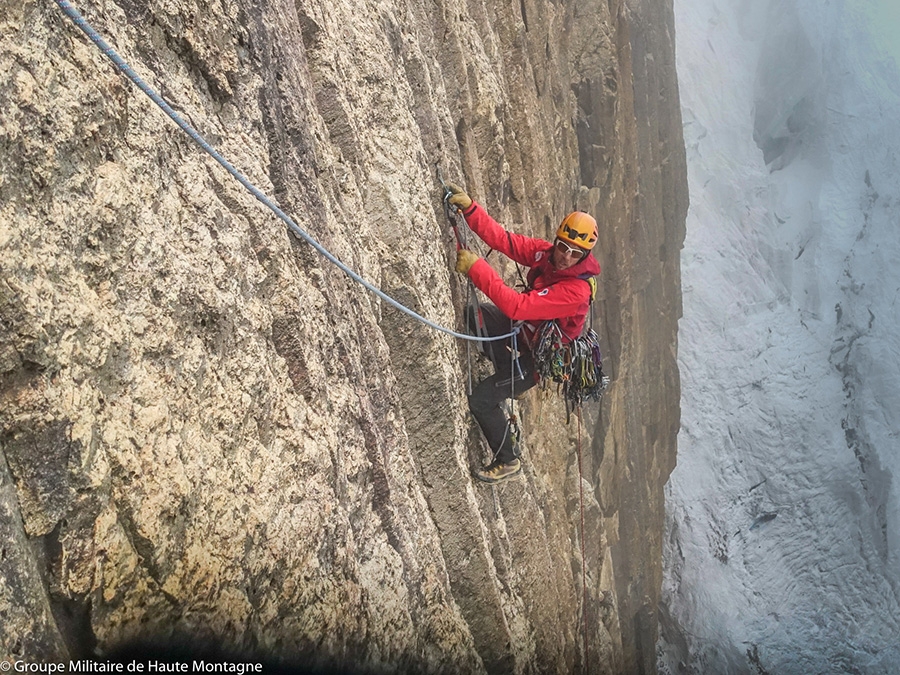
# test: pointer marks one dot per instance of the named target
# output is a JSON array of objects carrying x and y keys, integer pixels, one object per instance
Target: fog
[{"x": 782, "y": 514}]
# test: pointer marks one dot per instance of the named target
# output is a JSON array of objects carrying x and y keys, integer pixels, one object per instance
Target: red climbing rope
[{"x": 584, "y": 599}]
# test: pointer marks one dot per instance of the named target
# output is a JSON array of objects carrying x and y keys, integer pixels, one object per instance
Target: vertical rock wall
[{"x": 208, "y": 431}]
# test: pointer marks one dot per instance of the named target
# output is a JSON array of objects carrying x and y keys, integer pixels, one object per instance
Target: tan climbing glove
[
  {"x": 465, "y": 259},
  {"x": 459, "y": 198}
]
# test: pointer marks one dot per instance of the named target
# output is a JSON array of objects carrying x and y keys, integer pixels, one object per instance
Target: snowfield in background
[{"x": 783, "y": 514}]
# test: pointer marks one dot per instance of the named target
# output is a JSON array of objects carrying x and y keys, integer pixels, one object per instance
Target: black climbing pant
[{"x": 486, "y": 398}]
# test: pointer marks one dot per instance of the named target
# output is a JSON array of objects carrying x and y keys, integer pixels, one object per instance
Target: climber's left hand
[{"x": 464, "y": 260}]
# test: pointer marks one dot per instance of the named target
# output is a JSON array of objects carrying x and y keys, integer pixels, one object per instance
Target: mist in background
[{"x": 783, "y": 514}]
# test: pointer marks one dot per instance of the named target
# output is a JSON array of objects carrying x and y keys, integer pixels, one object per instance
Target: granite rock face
[{"x": 208, "y": 432}]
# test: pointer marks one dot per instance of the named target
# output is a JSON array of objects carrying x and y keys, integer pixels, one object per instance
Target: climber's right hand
[{"x": 459, "y": 198}]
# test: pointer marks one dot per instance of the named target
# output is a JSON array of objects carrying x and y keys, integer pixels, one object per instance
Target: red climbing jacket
[{"x": 551, "y": 293}]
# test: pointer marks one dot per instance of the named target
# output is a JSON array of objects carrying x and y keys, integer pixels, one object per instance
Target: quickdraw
[{"x": 576, "y": 366}]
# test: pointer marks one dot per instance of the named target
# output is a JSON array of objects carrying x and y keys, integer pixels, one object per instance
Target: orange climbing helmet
[{"x": 580, "y": 229}]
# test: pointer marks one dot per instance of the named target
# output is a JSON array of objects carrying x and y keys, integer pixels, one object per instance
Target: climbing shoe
[{"x": 497, "y": 472}]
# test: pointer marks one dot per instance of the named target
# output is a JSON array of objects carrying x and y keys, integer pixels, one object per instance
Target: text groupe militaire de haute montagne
[{"x": 149, "y": 667}]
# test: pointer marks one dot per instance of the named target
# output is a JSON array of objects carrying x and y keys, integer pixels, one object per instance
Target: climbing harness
[{"x": 120, "y": 63}]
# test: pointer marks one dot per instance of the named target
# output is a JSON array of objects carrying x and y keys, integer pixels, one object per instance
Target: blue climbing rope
[{"x": 120, "y": 63}]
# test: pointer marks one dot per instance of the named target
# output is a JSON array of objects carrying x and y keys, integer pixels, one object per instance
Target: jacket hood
[{"x": 589, "y": 266}]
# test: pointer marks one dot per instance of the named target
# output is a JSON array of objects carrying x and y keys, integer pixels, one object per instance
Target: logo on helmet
[{"x": 574, "y": 234}]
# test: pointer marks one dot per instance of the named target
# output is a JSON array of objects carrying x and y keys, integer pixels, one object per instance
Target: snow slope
[{"x": 783, "y": 514}]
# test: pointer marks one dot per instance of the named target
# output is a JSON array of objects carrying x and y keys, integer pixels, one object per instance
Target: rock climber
[{"x": 556, "y": 290}]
